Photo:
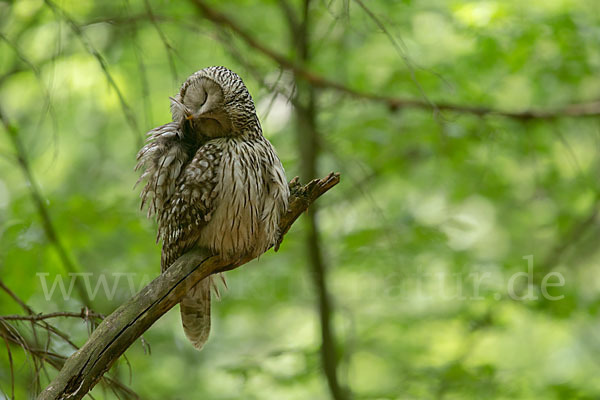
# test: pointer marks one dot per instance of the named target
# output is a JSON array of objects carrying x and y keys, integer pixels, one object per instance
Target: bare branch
[
  {"x": 85, "y": 314},
  {"x": 393, "y": 103}
]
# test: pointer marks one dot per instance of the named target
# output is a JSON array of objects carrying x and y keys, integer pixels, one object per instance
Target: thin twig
[
  {"x": 45, "y": 91},
  {"x": 127, "y": 111},
  {"x": 168, "y": 48},
  {"x": 12, "y": 371},
  {"x": 401, "y": 52},
  {"x": 22, "y": 67},
  {"x": 38, "y": 199},
  {"x": 85, "y": 314},
  {"x": 131, "y": 27},
  {"x": 16, "y": 298}
]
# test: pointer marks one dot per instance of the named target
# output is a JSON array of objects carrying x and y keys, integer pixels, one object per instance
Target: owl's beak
[{"x": 203, "y": 114}]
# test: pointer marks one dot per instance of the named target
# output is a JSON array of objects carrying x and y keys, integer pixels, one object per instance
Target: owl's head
[{"x": 215, "y": 103}]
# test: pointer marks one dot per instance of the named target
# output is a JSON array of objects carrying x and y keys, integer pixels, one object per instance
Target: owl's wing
[
  {"x": 190, "y": 205},
  {"x": 179, "y": 187}
]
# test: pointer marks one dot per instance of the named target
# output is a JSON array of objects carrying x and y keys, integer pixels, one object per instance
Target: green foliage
[{"x": 435, "y": 213}]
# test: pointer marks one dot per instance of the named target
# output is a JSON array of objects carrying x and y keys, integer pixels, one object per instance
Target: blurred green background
[{"x": 436, "y": 243}]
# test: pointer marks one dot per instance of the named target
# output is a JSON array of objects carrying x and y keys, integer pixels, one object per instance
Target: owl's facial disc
[{"x": 204, "y": 99}]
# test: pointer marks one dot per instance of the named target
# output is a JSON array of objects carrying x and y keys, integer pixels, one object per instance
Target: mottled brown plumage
[{"x": 213, "y": 181}]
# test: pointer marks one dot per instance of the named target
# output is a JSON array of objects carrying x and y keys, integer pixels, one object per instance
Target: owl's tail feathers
[{"x": 195, "y": 313}]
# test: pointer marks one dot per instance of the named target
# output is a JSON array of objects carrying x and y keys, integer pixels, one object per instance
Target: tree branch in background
[
  {"x": 307, "y": 138},
  {"x": 40, "y": 204},
  {"x": 120, "y": 329},
  {"x": 393, "y": 103}
]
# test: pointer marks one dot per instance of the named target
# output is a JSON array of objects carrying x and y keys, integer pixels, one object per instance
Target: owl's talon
[{"x": 295, "y": 186}]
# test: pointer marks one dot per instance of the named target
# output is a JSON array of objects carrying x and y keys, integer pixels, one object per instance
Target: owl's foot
[{"x": 295, "y": 186}]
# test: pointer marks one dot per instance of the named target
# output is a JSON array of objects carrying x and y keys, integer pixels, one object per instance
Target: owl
[{"x": 213, "y": 181}]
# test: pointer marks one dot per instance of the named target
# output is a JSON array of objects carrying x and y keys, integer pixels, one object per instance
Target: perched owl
[{"x": 213, "y": 181}]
